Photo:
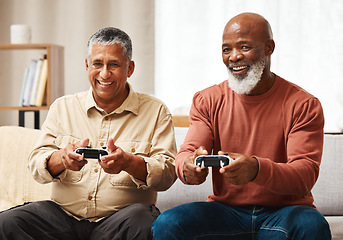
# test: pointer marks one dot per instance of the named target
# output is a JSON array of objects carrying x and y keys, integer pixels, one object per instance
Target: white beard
[{"x": 244, "y": 85}]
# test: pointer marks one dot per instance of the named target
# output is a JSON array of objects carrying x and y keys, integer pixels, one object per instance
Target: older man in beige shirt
[{"x": 108, "y": 198}]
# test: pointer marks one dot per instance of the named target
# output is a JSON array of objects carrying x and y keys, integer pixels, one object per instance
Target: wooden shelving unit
[
  {"x": 55, "y": 81},
  {"x": 181, "y": 121}
]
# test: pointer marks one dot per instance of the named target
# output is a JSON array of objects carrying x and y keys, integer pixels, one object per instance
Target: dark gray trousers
[{"x": 46, "y": 220}]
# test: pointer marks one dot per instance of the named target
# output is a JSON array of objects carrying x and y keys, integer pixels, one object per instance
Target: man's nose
[
  {"x": 105, "y": 73},
  {"x": 235, "y": 55}
]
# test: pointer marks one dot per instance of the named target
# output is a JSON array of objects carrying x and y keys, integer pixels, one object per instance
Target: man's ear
[
  {"x": 86, "y": 62},
  {"x": 270, "y": 46},
  {"x": 131, "y": 68}
]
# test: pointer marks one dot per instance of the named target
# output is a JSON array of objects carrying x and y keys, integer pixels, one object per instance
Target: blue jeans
[{"x": 214, "y": 220}]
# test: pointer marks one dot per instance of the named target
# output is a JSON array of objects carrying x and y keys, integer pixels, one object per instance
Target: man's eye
[
  {"x": 97, "y": 65},
  {"x": 113, "y": 65},
  {"x": 226, "y": 50},
  {"x": 246, "y": 48}
]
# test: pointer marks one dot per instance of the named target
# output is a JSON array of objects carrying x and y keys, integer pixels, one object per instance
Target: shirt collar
[{"x": 130, "y": 104}]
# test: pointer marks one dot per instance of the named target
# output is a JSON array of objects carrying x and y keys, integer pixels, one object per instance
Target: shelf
[
  {"x": 9, "y": 108},
  {"x": 27, "y": 46},
  {"x": 181, "y": 121},
  {"x": 55, "y": 81},
  {"x": 13, "y": 64}
]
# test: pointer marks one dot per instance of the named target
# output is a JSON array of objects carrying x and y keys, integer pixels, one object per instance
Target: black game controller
[
  {"x": 91, "y": 152},
  {"x": 204, "y": 161}
]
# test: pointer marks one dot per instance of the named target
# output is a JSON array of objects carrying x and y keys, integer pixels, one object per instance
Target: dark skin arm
[
  {"x": 242, "y": 171},
  {"x": 193, "y": 174}
]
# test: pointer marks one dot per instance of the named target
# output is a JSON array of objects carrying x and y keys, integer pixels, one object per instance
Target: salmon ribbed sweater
[{"x": 283, "y": 128}]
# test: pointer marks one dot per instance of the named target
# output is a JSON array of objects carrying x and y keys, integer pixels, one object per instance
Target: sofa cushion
[
  {"x": 328, "y": 191},
  {"x": 16, "y": 183},
  {"x": 181, "y": 193},
  {"x": 336, "y": 226}
]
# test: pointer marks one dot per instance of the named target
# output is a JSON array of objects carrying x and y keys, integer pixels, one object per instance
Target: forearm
[
  {"x": 179, "y": 162},
  {"x": 55, "y": 165},
  {"x": 296, "y": 178},
  {"x": 137, "y": 168}
]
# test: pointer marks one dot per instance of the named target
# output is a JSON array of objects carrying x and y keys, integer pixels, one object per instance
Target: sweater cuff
[{"x": 264, "y": 171}]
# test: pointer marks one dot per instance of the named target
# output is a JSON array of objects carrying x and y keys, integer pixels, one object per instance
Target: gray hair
[{"x": 110, "y": 36}]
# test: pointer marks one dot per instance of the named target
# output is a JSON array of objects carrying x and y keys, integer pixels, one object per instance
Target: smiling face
[
  {"x": 244, "y": 84},
  {"x": 108, "y": 70},
  {"x": 247, "y": 42}
]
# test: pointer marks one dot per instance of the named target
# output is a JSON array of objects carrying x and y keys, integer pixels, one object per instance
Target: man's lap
[
  {"x": 213, "y": 220},
  {"x": 46, "y": 220},
  {"x": 43, "y": 217}
]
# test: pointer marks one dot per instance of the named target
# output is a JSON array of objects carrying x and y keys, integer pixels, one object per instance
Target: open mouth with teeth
[
  {"x": 102, "y": 83},
  {"x": 241, "y": 69}
]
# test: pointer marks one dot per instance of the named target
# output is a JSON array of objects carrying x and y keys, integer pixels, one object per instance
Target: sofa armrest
[
  {"x": 328, "y": 190},
  {"x": 16, "y": 183}
]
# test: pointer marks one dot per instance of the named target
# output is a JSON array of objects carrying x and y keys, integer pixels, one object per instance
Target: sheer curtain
[{"x": 308, "y": 36}]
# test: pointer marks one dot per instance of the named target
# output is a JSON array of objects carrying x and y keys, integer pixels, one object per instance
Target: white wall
[
  {"x": 70, "y": 23},
  {"x": 308, "y": 36}
]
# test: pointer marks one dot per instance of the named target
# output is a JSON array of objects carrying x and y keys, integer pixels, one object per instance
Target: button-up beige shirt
[{"x": 142, "y": 125}]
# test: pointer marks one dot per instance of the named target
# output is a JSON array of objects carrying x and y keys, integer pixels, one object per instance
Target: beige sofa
[{"x": 17, "y": 185}]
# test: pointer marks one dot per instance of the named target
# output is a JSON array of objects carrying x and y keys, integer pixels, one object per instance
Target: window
[{"x": 308, "y": 36}]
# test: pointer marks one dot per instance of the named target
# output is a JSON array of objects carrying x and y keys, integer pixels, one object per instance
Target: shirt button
[
  {"x": 133, "y": 150},
  {"x": 96, "y": 170},
  {"x": 90, "y": 197},
  {"x": 102, "y": 144},
  {"x": 106, "y": 118}
]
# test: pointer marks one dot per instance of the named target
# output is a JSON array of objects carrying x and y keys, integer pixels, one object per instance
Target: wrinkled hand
[
  {"x": 117, "y": 160},
  {"x": 242, "y": 171},
  {"x": 70, "y": 159},
  {"x": 193, "y": 174}
]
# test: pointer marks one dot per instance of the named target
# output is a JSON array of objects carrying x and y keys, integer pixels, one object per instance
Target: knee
[
  {"x": 311, "y": 218},
  {"x": 312, "y": 222},
  {"x": 9, "y": 221},
  {"x": 161, "y": 226},
  {"x": 20, "y": 216},
  {"x": 8, "y": 217},
  {"x": 141, "y": 214},
  {"x": 136, "y": 221},
  {"x": 171, "y": 219},
  {"x": 315, "y": 222},
  {"x": 161, "y": 221}
]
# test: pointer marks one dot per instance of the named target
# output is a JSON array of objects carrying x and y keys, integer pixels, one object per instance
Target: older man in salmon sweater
[{"x": 272, "y": 129}]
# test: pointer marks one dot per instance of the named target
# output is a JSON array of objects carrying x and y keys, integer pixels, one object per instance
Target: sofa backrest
[{"x": 17, "y": 185}]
